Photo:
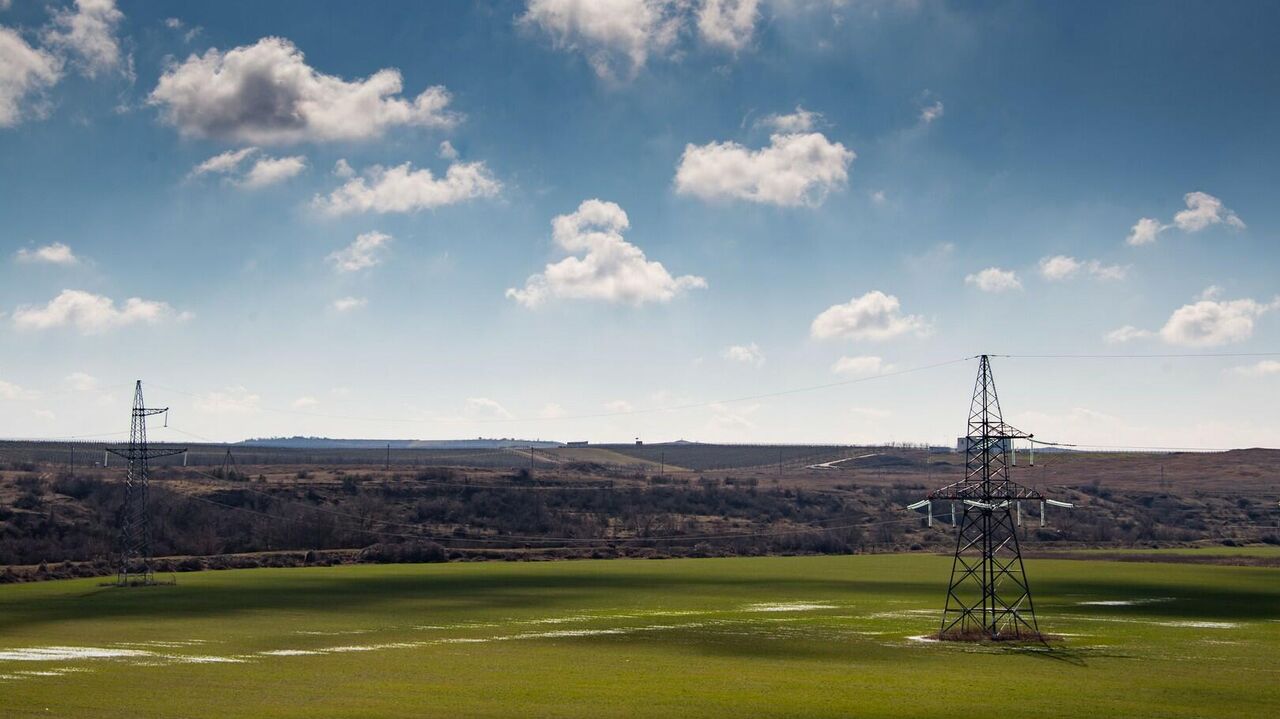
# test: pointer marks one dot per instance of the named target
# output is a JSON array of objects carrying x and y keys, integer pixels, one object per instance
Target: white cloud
[
  {"x": 223, "y": 163},
  {"x": 447, "y": 151},
  {"x": 1261, "y": 369},
  {"x": 619, "y": 405},
  {"x": 304, "y": 402},
  {"x": 25, "y": 73},
  {"x": 616, "y": 36},
  {"x": 994, "y": 279},
  {"x": 878, "y": 197},
  {"x": 1064, "y": 267},
  {"x": 727, "y": 419},
  {"x": 794, "y": 170},
  {"x": 931, "y": 112},
  {"x": 801, "y": 120},
  {"x": 1128, "y": 333},
  {"x": 1208, "y": 323},
  {"x": 12, "y": 392},
  {"x": 1203, "y": 210},
  {"x": 746, "y": 354},
  {"x": 860, "y": 365},
  {"x": 93, "y": 314},
  {"x": 552, "y": 410},
  {"x": 347, "y": 304},
  {"x": 1059, "y": 267},
  {"x": 232, "y": 400},
  {"x": 343, "y": 169},
  {"x": 874, "y": 316},
  {"x": 56, "y": 253},
  {"x": 81, "y": 382},
  {"x": 362, "y": 253},
  {"x": 485, "y": 408},
  {"x": 403, "y": 189},
  {"x": 728, "y": 24},
  {"x": 611, "y": 269},
  {"x": 265, "y": 171},
  {"x": 1144, "y": 231},
  {"x": 266, "y": 93},
  {"x": 89, "y": 34},
  {"x": 270, "y": 170}
]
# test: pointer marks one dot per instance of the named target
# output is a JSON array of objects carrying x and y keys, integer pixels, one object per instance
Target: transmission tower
[
  {"x": 988, "y": 596},
  {"x": 135, "y": 516}
]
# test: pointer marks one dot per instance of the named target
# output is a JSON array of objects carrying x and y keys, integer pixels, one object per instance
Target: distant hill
[{"x": 331, "y": 443}]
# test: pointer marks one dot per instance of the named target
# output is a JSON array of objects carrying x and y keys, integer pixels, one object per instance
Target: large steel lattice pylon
[
  {"x": 135, "y": 515},
  {"x": 988, "y": 596}
]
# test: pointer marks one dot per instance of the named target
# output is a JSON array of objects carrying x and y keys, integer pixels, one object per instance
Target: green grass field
[{"x": 778, "y": 636}]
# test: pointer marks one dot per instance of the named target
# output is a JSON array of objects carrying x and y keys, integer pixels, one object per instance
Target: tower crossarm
[
  {"x": 967, "y": 489},
  {"x": 148, "y": 453}
]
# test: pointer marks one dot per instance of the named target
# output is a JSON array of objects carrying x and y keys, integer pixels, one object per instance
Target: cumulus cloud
[
  {"x": 270, "y": 170},
  {"x": 93, "y": 314},
  {"x": 266, "y": 93},
  {"x": 362, "y": 253},
  {"x": 610, "y": 269},
  {"x": 1144, "y": 231},
  {"x": 81, "y": 382},
  {"x": 223, "y": 163},
  {"x": 232, "y": 400},
  {"x": 10, "y": 391},
  {"x": 1261, "y": 369},
  {"x": 25, "y": 73},
  {"x": 746, "y": 354},
  {"x": 874, "y": 316},
  {"x": 447, "y": 151},
  {"x": 1064, "y": 267},
  {"x": 621, "y": 406},
  {"x": 88, "y": 33},
  {"x": 860, "y": 365},
  {"x": 994, "y": 279},
  {"x": 1128, "y": 333},
  {"x": 794, "y": 170},
  {"x": 347, "y": 304},
  {"x": 801, "y": 120},
  {"x": 265, "y": 171},
  {"x": 552, "y": 410},
  {"x": 485, "y": 408},
  {"x": 304, "y": 402},
  {"x": 931, "y": 112},
  {"x": 56, "y": 253},
  {"x": 616, "y": 36},
  {"x": 404, "y": 189},
  {"x": 728, "y": 24},
  {"x": 1209, "y": 323},
  {"x": 1202, "y": 211}
]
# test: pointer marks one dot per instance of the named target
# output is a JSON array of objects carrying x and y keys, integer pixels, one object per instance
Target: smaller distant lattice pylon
[{"x": 135, "y": 516}]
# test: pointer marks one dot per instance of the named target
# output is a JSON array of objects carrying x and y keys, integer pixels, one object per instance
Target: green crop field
[{"x": 778, "y": 636}]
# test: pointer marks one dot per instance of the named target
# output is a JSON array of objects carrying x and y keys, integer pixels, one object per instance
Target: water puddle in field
[
  {"x": 62, "y": 654},
  {"x": 1126, "y": 602},
  {"x": 787, "y": 607},
  {"x": 1183, "y": 624}
]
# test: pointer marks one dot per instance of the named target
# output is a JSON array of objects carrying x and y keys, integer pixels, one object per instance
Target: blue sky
[{"x": 341, "y": 219}]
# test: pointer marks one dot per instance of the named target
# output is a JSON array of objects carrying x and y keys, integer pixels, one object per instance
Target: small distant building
[
  {"x": 581, "y": 443},
  {"x": 639, "y": 442}
]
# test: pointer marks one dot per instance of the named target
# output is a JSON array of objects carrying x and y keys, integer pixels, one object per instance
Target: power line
[{"x": 601, "y": 415}]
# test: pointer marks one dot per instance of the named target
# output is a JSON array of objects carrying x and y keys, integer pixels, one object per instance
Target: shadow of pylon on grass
[{"x": 1034, "y": 644}]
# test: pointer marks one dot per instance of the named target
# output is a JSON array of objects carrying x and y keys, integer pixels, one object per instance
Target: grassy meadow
[{"x": 775, "y": 636}]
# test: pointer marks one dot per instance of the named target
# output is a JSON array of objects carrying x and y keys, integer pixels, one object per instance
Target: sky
[{"x": 715, "y": 220}]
